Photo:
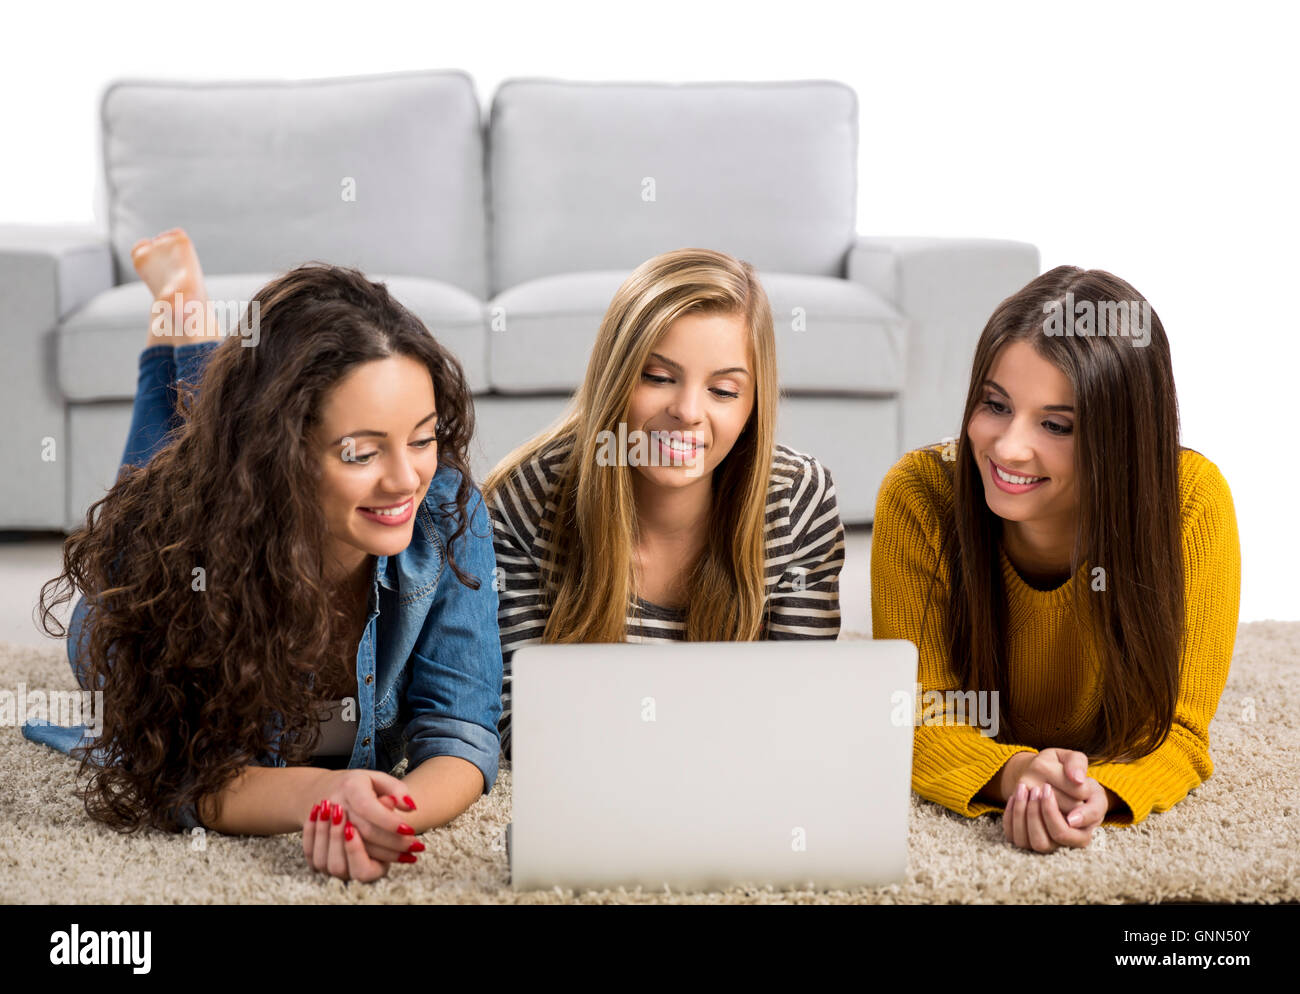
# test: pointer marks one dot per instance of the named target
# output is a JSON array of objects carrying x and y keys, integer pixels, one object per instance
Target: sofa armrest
[
  {"x": 46, "y": 273},
  {"x": 946, "y": 289}
]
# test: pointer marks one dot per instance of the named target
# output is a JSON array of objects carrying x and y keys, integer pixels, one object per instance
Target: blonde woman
[{"x": 660, "y": 506}]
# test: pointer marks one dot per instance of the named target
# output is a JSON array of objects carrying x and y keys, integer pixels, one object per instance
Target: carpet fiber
[{"x": 1236, "y": 838}]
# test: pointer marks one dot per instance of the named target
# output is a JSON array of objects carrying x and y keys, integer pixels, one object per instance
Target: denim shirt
[{"x": 429, "y": 664}]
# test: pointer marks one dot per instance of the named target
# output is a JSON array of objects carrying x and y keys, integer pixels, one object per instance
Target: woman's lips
[
  {"x": 390, "y": 519},
  {"x": 1012, "y": 488}
]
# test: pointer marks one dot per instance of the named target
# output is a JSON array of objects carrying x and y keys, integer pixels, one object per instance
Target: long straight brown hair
[
  {"x": 1128, "y": 521},
  {"x": 588, "y": 579}
]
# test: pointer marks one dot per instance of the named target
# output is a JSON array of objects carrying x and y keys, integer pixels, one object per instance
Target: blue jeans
[{"x": 154, "y": 415}]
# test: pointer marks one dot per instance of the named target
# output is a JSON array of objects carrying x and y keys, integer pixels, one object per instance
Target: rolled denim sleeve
[{"x": 455, "y": 690}]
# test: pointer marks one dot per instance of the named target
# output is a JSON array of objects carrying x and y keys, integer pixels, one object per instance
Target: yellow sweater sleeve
[
  {"x": 1212, "y": 586},
  {"x": 950, "y": 763}
]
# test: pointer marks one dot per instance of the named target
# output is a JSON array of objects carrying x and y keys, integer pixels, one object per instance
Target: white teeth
[
  {"x": 1016, "y": 479},
  {"x": 677, "y": 444},
  {"x": 391, "y": 512}
]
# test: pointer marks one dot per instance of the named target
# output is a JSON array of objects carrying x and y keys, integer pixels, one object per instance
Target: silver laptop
[{"x": 701, "y": 765}]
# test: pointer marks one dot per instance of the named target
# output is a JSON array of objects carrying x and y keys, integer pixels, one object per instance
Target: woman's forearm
[
  {"x": 265, "y": 800},
  {"x": 442, "y": 787}
]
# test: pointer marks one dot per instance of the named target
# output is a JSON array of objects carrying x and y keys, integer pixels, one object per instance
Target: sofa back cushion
[
  {"x": 380, "y": 172},
  {"x": 602, "y": 176}
]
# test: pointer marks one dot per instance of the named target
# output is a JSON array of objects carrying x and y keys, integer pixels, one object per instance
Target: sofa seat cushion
[
  {"x": 832, "y": 336},
  {"x": 98, "y": 347}
]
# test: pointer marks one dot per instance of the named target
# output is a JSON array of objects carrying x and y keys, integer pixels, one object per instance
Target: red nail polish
[
  {"x": 337, "y": 815},
  {"x": 416, "y": 847},
  {"x": 409, "y": 803},
  {"x": 315, "y": 811},
  {"x": 347, "y": 831},
  {"x": 406, "y": 857},
  {"x": 405, "y": 829}
]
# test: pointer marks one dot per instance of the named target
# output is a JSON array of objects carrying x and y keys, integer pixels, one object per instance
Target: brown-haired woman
[
  {"x": 287, "y": 592},
  {"x": 1065, "y": 557}
]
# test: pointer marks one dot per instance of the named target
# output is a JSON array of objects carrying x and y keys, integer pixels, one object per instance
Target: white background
[{"x": 1157, "y": 141}]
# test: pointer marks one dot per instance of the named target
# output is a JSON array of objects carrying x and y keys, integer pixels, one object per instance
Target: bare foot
[{"x": 169, "y": 267}]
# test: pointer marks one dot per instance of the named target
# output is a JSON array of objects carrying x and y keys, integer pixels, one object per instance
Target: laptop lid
[{"x": 700, "y": 765}]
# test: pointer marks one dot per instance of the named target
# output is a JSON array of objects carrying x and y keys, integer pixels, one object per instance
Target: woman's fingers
[
  {"x": 338, "y": 857},
  {"x": 380, "y": 825},
  {"x": 1061, "y": 768},
  {"x": 1061, "y": 833},
  {"x": 386, "y": 830},
  {"x": 384, "y": 783},
  {"x": 324, "y": 822},
  {"x": 1008, "y": 816},
  {"x": 1019, "y": 827},
  {"x": 332, "y": 844},
  {"x": 1039, "y": 798},
  {"x": 309, "y": 836},
  {"x": 359, "y": 865},
  {"x": 380, "y": 853},
  {"x": 1076, "y": 766}
]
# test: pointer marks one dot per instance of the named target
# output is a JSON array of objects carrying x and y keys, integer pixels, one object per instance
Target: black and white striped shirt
[{"x": 805, "y": 552}]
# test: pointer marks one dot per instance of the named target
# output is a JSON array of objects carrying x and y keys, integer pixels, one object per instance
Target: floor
[{"x": 28, "y": 561}]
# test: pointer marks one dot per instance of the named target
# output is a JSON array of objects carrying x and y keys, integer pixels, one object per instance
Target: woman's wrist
[
  {"x": 1000, "y": 785},
  {"x": 1010, "y": 775}
]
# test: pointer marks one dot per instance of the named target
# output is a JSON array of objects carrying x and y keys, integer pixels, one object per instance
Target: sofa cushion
[
  {"x": 764, "y": 171},
  {"x": 831, "y": 335},
  {"x": 99, "y": 346},
  {"x": 258, "y": 173}
]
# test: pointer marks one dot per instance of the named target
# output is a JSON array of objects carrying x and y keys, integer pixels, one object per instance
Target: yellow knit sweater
[{"x": 1055, "y": 698}]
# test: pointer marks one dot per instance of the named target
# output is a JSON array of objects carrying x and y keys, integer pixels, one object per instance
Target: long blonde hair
[{"x": 587, "y": 580}]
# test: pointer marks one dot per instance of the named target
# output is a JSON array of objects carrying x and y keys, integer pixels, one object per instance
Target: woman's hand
[
  {"x": 366, "y": 800},
  {"x": 1036, "y": 819},
  {"x": 1066, "y": 770},
  {"x": 332, "y": 845}
]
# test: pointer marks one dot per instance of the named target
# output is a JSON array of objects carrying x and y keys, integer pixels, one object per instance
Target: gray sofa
[{"x": 508, "y": 237}]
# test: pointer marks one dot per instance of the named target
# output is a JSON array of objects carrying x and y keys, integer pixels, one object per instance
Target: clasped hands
[
  {"x": 355, "y": 832},
  {"x": 1050, "y": 800}
]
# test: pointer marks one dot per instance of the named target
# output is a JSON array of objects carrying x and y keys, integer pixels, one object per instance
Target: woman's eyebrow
[
  {"x": 717, "y": 372},
  {"x": 1045, "y": 407},
  {"x": 379, "y": 434}
]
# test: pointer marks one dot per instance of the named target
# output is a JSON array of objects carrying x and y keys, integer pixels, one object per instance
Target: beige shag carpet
[{"x": 1236, "y": 838}]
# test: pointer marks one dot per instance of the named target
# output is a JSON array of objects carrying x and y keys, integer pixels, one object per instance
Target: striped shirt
[{"x": 805, "y": 552}]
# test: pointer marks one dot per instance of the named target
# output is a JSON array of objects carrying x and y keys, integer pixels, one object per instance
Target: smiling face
[
  {"x": 697, "y": 384},
  {"x": 376, "y": 448},
  {"x": 1024, "y": 425}
]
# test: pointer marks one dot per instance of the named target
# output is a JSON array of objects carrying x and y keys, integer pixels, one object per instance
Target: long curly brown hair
[{"x": 197, "y": 685}]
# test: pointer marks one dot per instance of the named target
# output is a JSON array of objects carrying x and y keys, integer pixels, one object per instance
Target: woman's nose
[
  {"x": 402, "y": 476},
  {"x": 1014, "y": 446},
  {"x": 686, "y": 406}
]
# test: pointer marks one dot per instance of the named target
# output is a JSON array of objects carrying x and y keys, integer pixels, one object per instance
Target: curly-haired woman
[{"x": 287, "y": 593}]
